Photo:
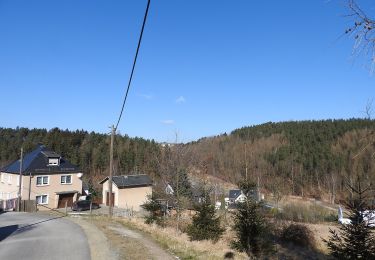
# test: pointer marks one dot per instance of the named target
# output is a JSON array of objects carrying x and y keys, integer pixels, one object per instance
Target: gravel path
[
  {"x": 111, "y": 241},
  {"x": 99, "y": 245},
  {"x": 155, "y": 251}
]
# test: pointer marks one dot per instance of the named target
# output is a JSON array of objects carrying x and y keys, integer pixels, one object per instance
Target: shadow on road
[
  {"x": 16, "y": 229},
  {"x": 27, "y": 227},
  {"x": 7, "y": 231}
]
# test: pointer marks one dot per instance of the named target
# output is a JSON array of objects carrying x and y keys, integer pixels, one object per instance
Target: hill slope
[
  {"x": 312, "y": 158},
  {"x": 302, "y": 158}
]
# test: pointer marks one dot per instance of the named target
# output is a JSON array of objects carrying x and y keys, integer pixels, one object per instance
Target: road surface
[{"x": 38, "y": 237}]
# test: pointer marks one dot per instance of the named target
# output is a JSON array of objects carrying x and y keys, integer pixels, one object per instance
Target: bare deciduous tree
[{"x": 363, "y": 32}]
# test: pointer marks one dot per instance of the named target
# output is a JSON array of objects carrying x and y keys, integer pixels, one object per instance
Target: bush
[
  {"x": 153, "y": 208},
  {"x": 298, "y": 234}
]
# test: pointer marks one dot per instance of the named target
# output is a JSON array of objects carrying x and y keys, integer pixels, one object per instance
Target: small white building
[{"x": 128, "y": 191}]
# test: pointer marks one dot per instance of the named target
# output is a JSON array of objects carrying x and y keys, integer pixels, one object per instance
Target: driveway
[{"x": 38, "y": 237}]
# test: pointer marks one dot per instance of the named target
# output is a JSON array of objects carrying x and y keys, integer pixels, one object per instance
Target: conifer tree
[
  {"x": 205, "y": 224},
  {"x": 355, "y": 240},
  {"x": 154, "y": 209},
  {"x": 252, "y": 231}
]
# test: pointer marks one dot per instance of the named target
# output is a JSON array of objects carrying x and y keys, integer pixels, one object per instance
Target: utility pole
[
  {"x": 111, "y": 172},
  {"x": 177, "y": 184},
  {"x": 245, "y": 162},
  {"x": 30, "y": 186},
  {"x": 20, "y": 181}
]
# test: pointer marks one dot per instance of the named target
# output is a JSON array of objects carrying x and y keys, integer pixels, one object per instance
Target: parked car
[{"x": 84, "y": 205}]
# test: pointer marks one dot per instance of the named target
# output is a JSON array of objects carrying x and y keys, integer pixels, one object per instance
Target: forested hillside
[
  {"x": 90, "y": 151},
  {"x": 308, "y": 158},
  {"x": 312, "y": 158}
]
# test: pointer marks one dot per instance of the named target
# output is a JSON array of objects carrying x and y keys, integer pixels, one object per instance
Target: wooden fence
[{"x": 28, "y": 206}]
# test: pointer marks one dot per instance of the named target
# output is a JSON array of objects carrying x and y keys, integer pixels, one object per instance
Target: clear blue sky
[{"x": 205, "y": 67}]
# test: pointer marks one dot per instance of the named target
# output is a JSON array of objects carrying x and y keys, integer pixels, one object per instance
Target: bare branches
[
  {"x": 368, "y": 109},
  {"x": 363, "y": 32}
]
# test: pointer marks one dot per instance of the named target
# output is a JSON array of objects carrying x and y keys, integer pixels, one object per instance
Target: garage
[{"x": 66, "y": 198}]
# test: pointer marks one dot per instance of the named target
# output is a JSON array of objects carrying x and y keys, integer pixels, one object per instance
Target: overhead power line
[{"x": 134, "y": 62}]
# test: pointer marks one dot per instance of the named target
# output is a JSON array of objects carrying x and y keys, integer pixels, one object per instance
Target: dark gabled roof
[
  {"x": 233, "y": 194},
  {"x": 128, "y": 181},
  {"x": 36, "y": 162},
  {"x": 51, "y": 154}
]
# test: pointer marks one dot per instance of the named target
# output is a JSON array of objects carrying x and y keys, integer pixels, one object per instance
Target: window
[
  {"x": 3, "y": 177},
  {"x": 53, "y": 161},
  {"x": 9, "y": 179},
  {"x": 42, "y": 199},
  {"x": 42, "y": 180},
  {"x": 18, "y": 181},
  {"x": 66, "y": 179}
]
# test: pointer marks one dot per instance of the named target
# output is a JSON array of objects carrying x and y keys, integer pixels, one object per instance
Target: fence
[
  {"x": 28, "y": 206},
  {"x": 12, "y": 205},
  {"x": 8, "y": 205}
]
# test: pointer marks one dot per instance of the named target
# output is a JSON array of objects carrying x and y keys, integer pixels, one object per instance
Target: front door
[
  {"x": 107, "y": 200},
  {"x": 65, "y": 199}
]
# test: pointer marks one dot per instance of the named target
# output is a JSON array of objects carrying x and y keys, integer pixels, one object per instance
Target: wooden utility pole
[
  {"x": 20, "y": 181},
  {"x": 111, "y": 172},
  {"x": 177, "y": 184},
  {"x": 30, "y": 186},
  {"x": 245, "y": 162}
]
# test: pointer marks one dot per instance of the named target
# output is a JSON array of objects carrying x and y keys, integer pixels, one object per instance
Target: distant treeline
[
  {"x": 313, "y": 158},
  {"x": 90, "y": 151}
]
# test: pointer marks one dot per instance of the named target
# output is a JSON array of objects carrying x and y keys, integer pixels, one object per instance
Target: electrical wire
[{"x": 134, "y": 62}]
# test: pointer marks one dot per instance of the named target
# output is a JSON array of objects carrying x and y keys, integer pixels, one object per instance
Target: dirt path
[
  {"x": 154, "y": 250},
  {"x": 111, "y": 240},
  {"x": 100, "y": 247}
]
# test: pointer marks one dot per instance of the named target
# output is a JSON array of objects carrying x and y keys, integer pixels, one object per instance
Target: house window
[
  {"x": 53, "y": 161},
  {"x": 42, "y": 180},
  {"x": 9, "y": 179},
  {"x": 42, "y": 199},
  {"x": 3, "y": 177},
  {"x": 18, "y": 181},
  {"x": 66, "y": 179}
]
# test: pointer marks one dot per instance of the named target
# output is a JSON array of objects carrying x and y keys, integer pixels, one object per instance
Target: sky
[{"x": 204, "y": 67}]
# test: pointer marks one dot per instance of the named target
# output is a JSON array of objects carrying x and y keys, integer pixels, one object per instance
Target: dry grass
[
  {"x": 127, "y": 247},
  {"x": 321, "y": 231},
  {"x": 179, "y": 244}
]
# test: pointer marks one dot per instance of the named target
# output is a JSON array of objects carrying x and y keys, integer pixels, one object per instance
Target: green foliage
[
  {"x": 205, "y": 225},
  {"x": 253, "y": 234},
  {"x": 183, "y": 185},
  {"x": 90, "y": 151},
  {"x": 93, "y": 191},
  {"x": 154, "y": 210},
  {"x": 309, "y": 142},
  {"x": 248, "y": 187},
  {"x": 310, "y": 158},
  {"x": 298, "y": 234},
  {"x": 355, "y": 240}
]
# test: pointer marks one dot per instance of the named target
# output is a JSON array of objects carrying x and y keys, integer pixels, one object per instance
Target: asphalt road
[{"x": 38, "y": 237}]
